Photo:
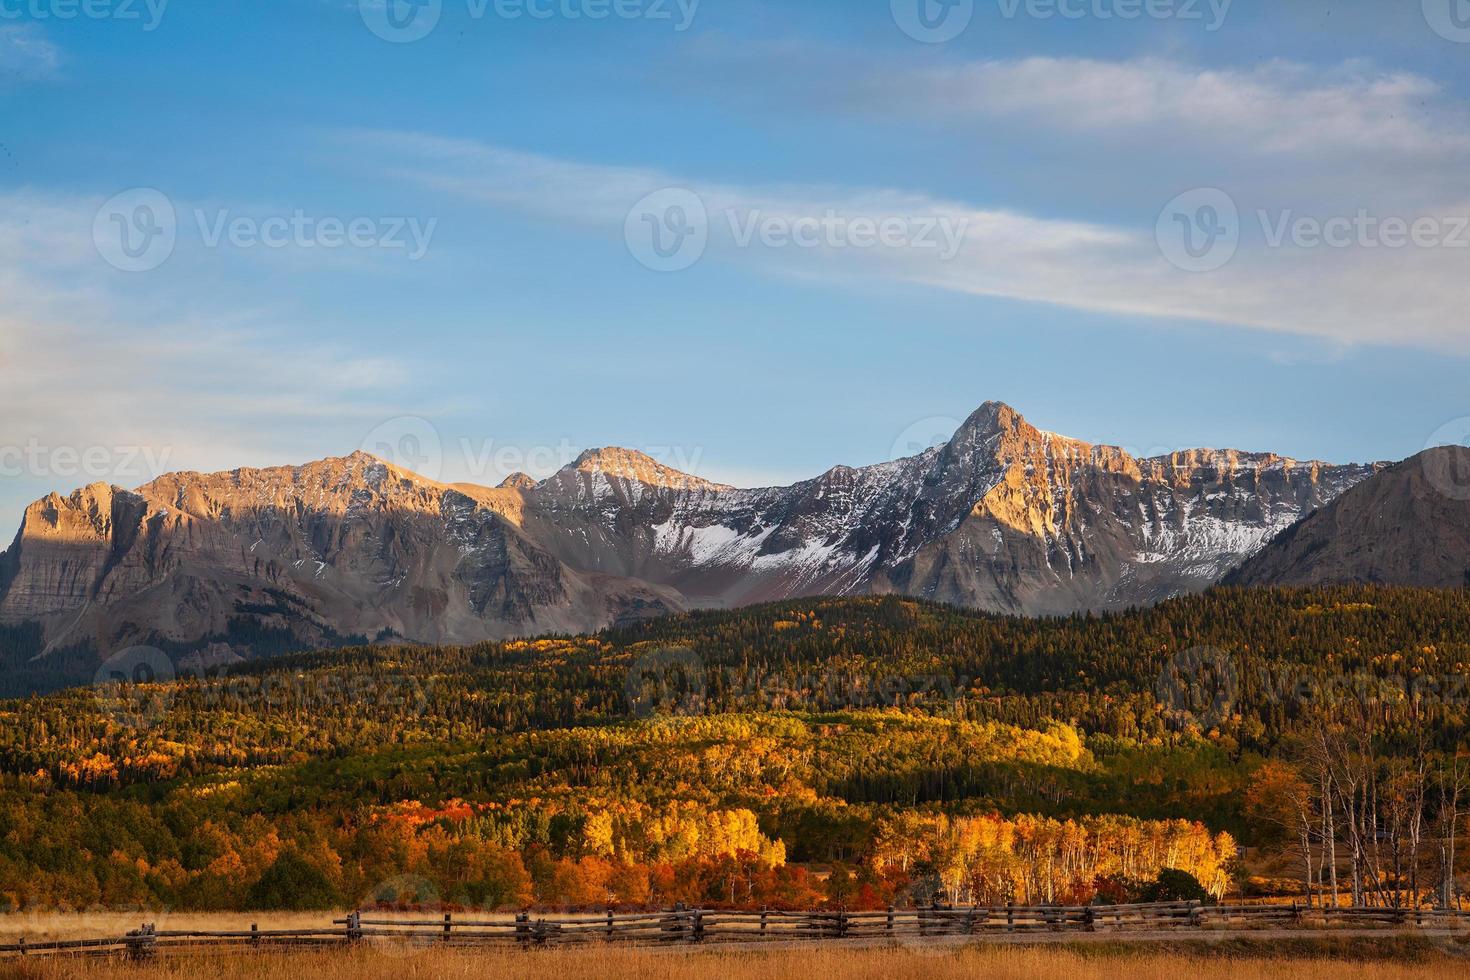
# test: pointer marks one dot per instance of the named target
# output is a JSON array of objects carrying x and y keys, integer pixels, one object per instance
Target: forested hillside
[{"x": 848, "y": 751}]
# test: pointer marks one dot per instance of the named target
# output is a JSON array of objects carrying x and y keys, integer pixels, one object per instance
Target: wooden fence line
[{"x": 685, "y": 925}]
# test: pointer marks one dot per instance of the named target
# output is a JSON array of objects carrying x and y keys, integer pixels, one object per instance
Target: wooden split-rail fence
[{"x": 684, "y": 925}]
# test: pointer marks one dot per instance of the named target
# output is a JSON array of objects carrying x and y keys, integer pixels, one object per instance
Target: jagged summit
[
  {"x": 518, "y": 481},
  {"x": 630, "y": 464},
  {"x": 994, "y": 416},
  {"x": 988, "y": 422}
]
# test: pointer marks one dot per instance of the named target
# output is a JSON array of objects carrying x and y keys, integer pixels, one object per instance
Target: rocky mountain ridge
[{"x": 1004, "y": 517}]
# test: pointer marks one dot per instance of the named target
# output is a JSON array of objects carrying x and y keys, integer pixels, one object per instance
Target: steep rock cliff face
[
  {"x": 342, "y": 547},
  {"x": 1409, "y": 525},
  {"x": 1003, "y": 517}
]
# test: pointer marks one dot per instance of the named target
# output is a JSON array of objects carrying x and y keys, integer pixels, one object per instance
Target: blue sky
[{"x": 519, "y": 325}]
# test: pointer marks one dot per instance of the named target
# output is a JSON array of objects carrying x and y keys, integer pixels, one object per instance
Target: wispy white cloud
[
  {"x": 26, "y": 54},
  {"x": 1411, "y": 296},
  {"x": 1346, "y": 134},
  {"x": 1277, "y": 108}
]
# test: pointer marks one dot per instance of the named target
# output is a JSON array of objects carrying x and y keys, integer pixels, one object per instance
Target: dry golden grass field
[
  {"x": 44, "y": 926},
  {"x": 1385, "y": 959}
]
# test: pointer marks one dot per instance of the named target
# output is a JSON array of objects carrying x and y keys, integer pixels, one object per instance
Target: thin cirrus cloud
[
  {"x": 1342, "y": 135},
  {"x": 1284, "y": 134},
  {"x": 26, "y": 55},
  {"x": 1412, "y": 296},
  {"x": 1278, "y": 108}
]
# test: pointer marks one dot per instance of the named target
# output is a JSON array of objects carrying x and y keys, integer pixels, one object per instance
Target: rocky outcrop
[
  {"x": 1408, "y": 525},
  {"x": 347, "y": 547}
]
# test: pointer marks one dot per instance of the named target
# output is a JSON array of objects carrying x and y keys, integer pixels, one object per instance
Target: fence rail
[{"x": 684, "y": 925}]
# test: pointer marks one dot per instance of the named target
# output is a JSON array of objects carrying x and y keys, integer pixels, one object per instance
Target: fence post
[
  {"x": 842, "y": 924},
  {"x": 255, "y": 934},
  {"x": 1089, "y": 919},
  {"x": 671, "y": 924},
  {"x": 142, "y": 943},
  {"x": 890, "y": 918},
  {"x": 763, "y": 923},
  {"x": 1010, "y": 918},
  {"x": 698, "y": 926},
  {"x": 523, "y": 928},
  {"x": 609, "y": 923},
  {"x": 448, "y": 924},
  {"x": 354, "y": 926}
]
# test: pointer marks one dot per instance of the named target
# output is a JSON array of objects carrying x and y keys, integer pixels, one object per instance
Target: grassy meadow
[{"x": 1373, "y": 959}]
